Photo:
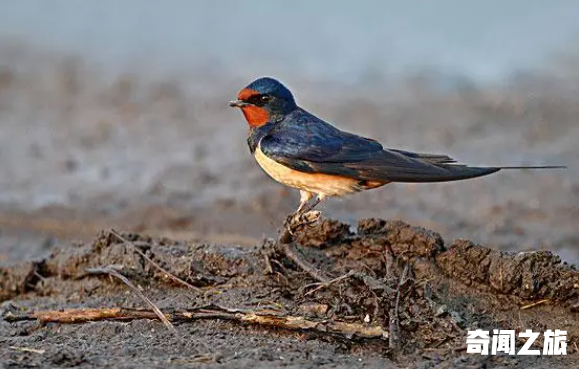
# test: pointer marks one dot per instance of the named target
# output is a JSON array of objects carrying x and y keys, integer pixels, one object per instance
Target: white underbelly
[{"x": 321, "y": 184}]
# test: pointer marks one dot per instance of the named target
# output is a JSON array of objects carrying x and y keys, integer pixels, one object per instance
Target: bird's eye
[{"x": 265, "y": 98}]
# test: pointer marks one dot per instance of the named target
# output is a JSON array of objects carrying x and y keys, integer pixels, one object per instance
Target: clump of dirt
[{"x": 393, "y": 294}]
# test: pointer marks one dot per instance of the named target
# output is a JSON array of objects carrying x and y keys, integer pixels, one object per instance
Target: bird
[{"x": 302, "y": 151}]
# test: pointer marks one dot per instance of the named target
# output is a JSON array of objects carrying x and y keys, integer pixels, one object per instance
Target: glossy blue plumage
[
  {"x": 268, "y": 85},
  {"x": 306, "y": 143},
  {"x": 301, "y": 141}
]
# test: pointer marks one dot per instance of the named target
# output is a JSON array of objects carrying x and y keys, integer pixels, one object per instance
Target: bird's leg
[
  {"x": 305, "y": 197},
  {"x": 312, "y": 205},
  {"x": 304, "y": 207}
]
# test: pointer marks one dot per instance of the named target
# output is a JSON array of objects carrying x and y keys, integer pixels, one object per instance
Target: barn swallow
[{"x": 302, "y": 151}]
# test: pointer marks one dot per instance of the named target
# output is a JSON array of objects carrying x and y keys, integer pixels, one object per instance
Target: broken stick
[
  {"x": 286, "y": 244},
  {"x": 264, "y": 318},
  {"x": 113, "y": 272},
  {"x": 153, "y": 263}
]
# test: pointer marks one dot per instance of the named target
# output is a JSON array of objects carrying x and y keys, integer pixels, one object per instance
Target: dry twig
[
  {"x": 286, "y": 245},
  {"x": 328, "y": 283},
  {"x": 27, "y": 349},
  {"x": 264, "y": 318},
  {"x": 111, "y": 271},
  {"x": 292, "y": 253},
  {"x": 163, "y": 270},
  {"x": 394, "y": 326},
  {"x": 533, "y": 304}
]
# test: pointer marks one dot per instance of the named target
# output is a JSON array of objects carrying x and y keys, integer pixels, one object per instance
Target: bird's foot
[
  {"x": 311, "y": 217},
  {"x": 296, "y": 220}
]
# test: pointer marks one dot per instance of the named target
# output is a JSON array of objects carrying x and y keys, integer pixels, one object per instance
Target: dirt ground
[
  {"x": 83, "y": 151},
  {"x": 407, "y": 301}
]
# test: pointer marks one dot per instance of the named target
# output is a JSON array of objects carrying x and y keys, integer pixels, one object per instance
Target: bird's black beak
[{"x": 237, "y": 103}]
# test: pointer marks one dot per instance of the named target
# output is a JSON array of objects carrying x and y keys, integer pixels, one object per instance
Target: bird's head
[{"x": 264, "y": 100}]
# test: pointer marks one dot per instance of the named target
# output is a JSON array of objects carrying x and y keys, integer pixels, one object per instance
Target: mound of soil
[{"x": 386, "y": 294}]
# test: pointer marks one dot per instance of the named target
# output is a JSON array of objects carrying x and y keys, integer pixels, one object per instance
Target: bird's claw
[
  {"x": 296, "y": 220},
  {"x": 311, "y": 217}
]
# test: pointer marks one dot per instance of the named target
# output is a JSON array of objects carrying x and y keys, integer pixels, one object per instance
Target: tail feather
[
  {"x": 438, "y": 159},
  {"x": 453, "y": 170},
  {"x": 535, "y": 167},
  {"x": 456, "y": 172}
]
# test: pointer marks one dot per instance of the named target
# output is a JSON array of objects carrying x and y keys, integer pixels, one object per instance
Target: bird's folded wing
[{"x": 321, "y": 148}]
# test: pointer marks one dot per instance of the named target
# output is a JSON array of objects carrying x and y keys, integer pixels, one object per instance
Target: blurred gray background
[{"x": 114, "y": 113}]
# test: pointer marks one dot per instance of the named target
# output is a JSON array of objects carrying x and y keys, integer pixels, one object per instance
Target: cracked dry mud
[{"x": 404, "y": 282}]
